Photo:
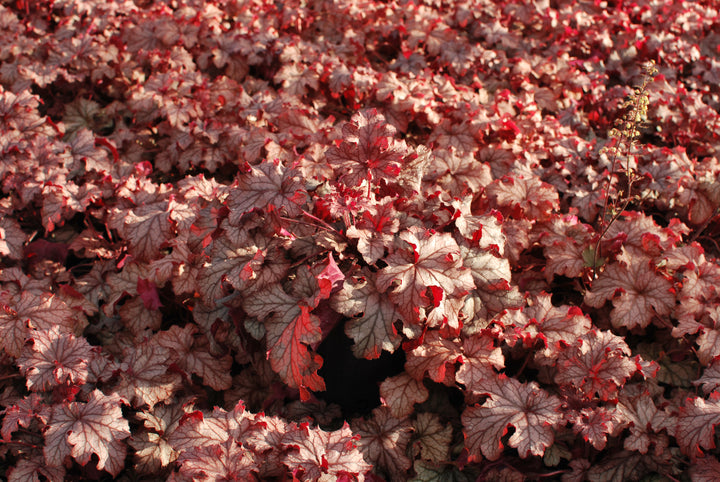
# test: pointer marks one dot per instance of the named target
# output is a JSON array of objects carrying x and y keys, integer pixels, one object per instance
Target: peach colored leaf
[
  {"x": 383, "y": 442},
  {"x": 710, "y": 379},
  {"x": 319, "y": 452},
  {"x": 705, "y": 469},
  {"x": 373, "y": 331},
  {"x": 556, "y": 326},
  {"x": 457, "y": 135},
  {"x": 433, "y": 262},
  {"x": 290, "y": 328},
  {"x": 268, "y": 186},
  {"x": 232, "y": 260},
  {"x": 436, "y": 356},
  {"x": 637, "y": 291},
  {"x": 83, "y": 429},
  {"x": 206, "y": 429},
  {"x": 152, "y": 452},
  {"x": 533, "y": 413},
  {"x": 226, "y": 461},
  {"x": 533, "y": 198},
  {"x": 479, "y": 359},
  {"x": 458, "y": 171},
  {"x": 22, "y": 413},
  {"x": 41, "y": 312},
  {"x": 597, "y": 363},
  {"x": 621, "y": 465},
  {"x": 137, "y": 318},
  {"x": 54, "y": 359},
  {"x": 489, "y": 272},
  {"x": 401, "y": 392},
  {"x": 147, "y": 227},
  {"x": 152, "y": 449},
  {"x": 35, "y": 469},
  {"x": 564, "y": 258},
  {"x": 644, "y": 419},
  {"x": 268, "y": 438},
  {"x": 296, "y": 78},
  {"x": 709, "y": 340},
  {"x": 12, "y": 238},
  {"x": 432, "y": 438},
  {"x": 696, "y": 424},
  {"x": 144, "y": 377},
  {"x": 186, "y": 351},
  {"x": 368, "y": 151}
]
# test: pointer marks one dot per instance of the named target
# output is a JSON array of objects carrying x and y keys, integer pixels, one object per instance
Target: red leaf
[
  {"x": 147, "y": 291},
  {"x": 594, "y": 426},
  {"x": 331, "y": 274},
  {"x": 374, "y": 230}
]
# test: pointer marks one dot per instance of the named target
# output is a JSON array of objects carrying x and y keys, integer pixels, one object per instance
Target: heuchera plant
[{"x": 342, "y": 240}]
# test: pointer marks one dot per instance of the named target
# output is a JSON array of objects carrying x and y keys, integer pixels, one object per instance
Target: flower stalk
[{"x": 624, "y": 135}]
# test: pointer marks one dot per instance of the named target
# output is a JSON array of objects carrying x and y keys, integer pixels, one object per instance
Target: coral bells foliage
[{"x": 313, "y": 240}]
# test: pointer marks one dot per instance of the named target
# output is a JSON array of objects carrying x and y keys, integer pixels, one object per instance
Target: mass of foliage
[{"x": 359, "y": 240}]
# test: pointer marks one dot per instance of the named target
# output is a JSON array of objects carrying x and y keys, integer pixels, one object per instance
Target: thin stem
[
  {"x": 702, "y": 228},
  {"x": 22, "y": 444},
  {"x": 524, "y": 365},
  {"x": 551, "y": 474},
  {"x": 711, "y": 240},
  {"x": 324, "y": 223},
  {"x": 306, "y": 223},
  {"x": 8, "y": 377},
  {"x": 625, "y": 137}
]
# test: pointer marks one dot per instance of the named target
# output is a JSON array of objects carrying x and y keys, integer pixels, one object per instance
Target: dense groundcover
[{"x": 359, "y": 240}]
